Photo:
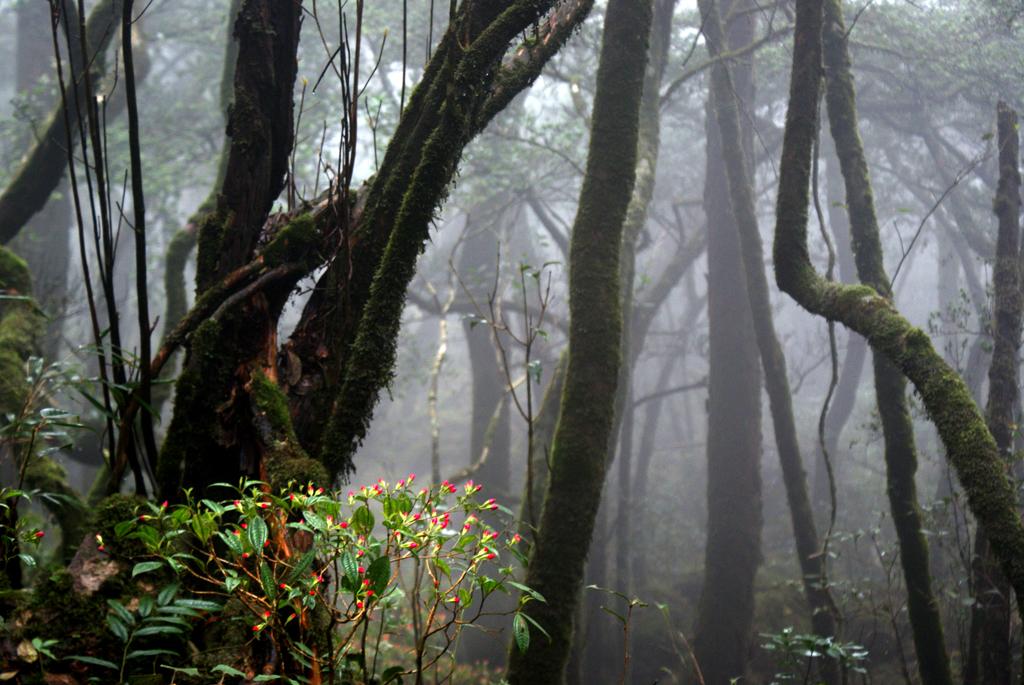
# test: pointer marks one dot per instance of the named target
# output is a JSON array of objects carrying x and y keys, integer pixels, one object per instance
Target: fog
[{"x": 486, "y": 327}]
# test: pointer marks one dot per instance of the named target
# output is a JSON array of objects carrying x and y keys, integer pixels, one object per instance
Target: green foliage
[
  {"x": 796, "y": 654},
  {"x": 318, "y": 577}
]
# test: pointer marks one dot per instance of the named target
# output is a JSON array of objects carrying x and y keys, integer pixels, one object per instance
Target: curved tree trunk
[
  {"x": 890, "y": 387},
  {"x": 969, "y": 444},
  {"x": 580, "y": 451}
]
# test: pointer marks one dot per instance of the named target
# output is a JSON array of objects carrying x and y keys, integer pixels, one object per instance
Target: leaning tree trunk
[
  {"x": 890, "y": 386},
  {"x": 43, "y": 167},
  {"x": 970, "y": 446},
  {"x": 341, "y": 353},
  {"x": 726, "y": 108},
  {"x": 989, "y": 652},
  {"x": 580, "y": 451}
]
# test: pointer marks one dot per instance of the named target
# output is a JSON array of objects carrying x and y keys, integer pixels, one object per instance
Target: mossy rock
[{"x": 111, "y": 511}]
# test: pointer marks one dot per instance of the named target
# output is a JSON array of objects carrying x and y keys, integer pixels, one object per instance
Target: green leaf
[
  {"x": 95, "y": 662},
  {"x": 267, "y": 580},
  {"x": 122, "y": 613},
  {"x": 265, "y": 678},
  {"x": 521, "y": 632},
  {"x": 528, "y": 590},
  {"x": 257, "y": 534},
  {"x": 533, "y": 622},
  {"x": 201, "y": 604},
  {"x": 189, "y": 671},
  {"x": 117, "y": 628},
  {"x": 362, "y": 520},
  {"x": 146, "y": 605},
  {"x": 227, "y": 670},
  {"x": 348, "y": 565},
  {"x": 232, "y": 541},
  {"x": 157, "y": 630},
  {"x": 304, "y": 563},
  {"x": 179, "y": 611},
  {"x": 138, "y": 653},
  {"x": 166, "y": 595},
  {"x": 315, "y": 521},
  {"x": 379, "y": 574}
]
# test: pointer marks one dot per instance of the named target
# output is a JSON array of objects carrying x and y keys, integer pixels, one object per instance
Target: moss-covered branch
[
  {"x": 890, "y": 386},
  {"x": 44, "y": 165},
  {"x": 429, "y": 169},
  {"x": 969, "y": 444}
]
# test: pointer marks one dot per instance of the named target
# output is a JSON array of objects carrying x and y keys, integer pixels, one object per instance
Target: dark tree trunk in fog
[
  {"x": 579, "y": 458},
  {"x": 989, "y": 651},
  {"x": 733, "y": 549},
  {"x": 725, "y": 110},
  {"x": 44, "y": 241},
  {"x": 890, "y": 386},
  {"x": 44, "y": 165},
  {"x": 229, "y": 418}
]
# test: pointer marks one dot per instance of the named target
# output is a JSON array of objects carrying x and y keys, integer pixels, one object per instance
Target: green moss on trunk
[
  {"x": 969, "y": 444},
  {"x": 579, "y": 455}
]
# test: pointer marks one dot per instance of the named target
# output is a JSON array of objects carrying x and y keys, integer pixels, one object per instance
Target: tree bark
[
  {"x": 989, "y": 651},
  {"x": 580, "y": 452},
  {"x": 890, "y": 387},
  {"x": 732, "y": 553},
  {"x": 726, "y": 107},
  {"x": 969, "y": 444}
]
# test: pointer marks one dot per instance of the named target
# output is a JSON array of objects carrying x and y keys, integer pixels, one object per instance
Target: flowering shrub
[{"x": 319, "y": 580}]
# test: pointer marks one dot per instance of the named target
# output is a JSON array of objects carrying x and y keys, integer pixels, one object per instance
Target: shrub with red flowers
[{"x": 334, "y": 587}]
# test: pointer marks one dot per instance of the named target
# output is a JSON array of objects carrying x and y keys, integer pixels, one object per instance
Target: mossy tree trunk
[
  {"x": 989, "y": 655},
  {"x": 890, "y": 386},
  {"x": 732, "y": 553},
  {"x": 969, "y": 444},
  {"x": 609, "y": 566},
  {"x": 346, "y": 335},
  {"x": 580, "y": 451},
  {"x": 211, "y": 436},
  {"x": 726, "y": 109},
  {"x": 342, "y": 351}
]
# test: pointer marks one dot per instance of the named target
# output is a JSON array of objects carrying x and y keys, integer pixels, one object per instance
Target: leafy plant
[
  {"x": 797, "y": 653},
  {"x": 166, "y": 617},
  {"x": 319, "y": 577}
]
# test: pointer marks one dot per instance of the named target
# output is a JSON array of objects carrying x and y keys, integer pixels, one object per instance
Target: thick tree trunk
[
  {"x": 969, "y": 444},
  {"x": 579, "y": 458},
  {"x": 890, "y": 387},
  {"x": 990, "y": 659}
]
